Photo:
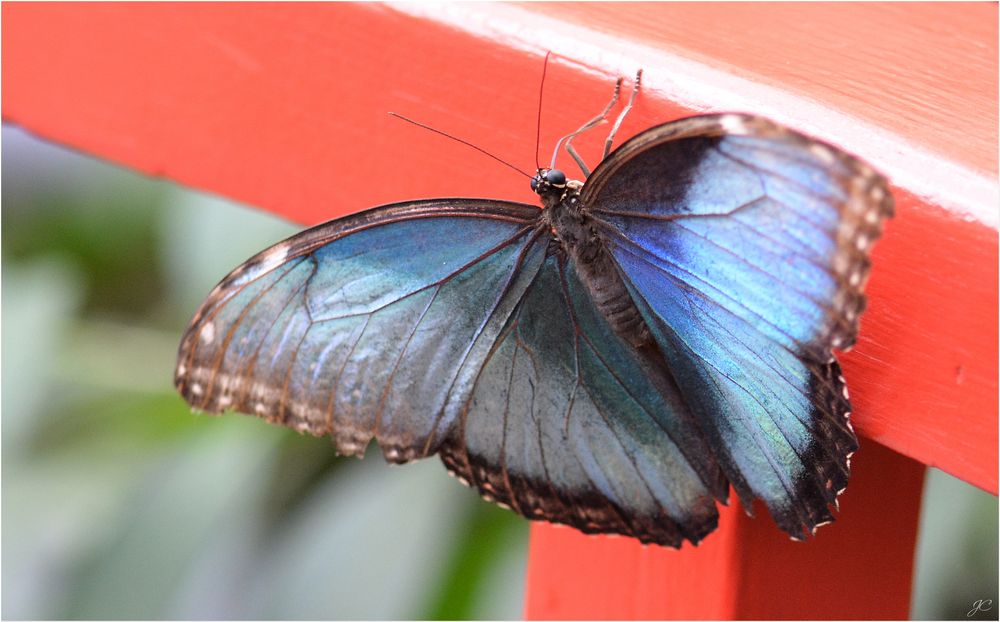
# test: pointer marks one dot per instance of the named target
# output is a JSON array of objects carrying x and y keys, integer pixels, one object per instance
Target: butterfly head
[
  {"x": 551, "y": 185},
  {"x": 548, "y": 180}
]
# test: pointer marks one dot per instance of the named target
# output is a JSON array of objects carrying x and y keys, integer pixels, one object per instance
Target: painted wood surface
[
  {"x": 284, "y": 108},
  {"x": 858, "y": 568}
]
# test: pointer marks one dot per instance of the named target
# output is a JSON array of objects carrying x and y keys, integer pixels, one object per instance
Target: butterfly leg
[
  {"x": 568, "y": 139},
  {"x": 621, "y": 115}
]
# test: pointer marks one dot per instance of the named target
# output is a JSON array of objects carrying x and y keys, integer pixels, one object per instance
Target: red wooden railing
[{"x": 283, "y": 107}]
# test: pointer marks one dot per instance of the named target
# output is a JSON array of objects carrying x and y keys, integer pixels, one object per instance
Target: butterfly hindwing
[
  {"x": 569, "y": 423},
  {"x": 745, "y": 246}
]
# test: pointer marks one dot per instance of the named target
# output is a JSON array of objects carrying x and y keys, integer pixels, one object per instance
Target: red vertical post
[{"x": 858, "y": 568}]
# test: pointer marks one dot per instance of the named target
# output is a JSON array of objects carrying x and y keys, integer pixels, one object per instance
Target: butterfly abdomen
[
  {"x": 612, "y": 299},
  {"x": 596, "y": 268}
]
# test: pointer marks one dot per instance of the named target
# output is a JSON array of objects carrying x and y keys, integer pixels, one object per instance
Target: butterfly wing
[
  {"x": 745, "y": 246},
  {"x": 569, "y": 423},
  {"x": 364, "y": 327},
  {"x": 455, "y": 326}
]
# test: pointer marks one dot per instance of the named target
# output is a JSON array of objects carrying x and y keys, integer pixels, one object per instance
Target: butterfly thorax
[{"x": 577, "y": 236}]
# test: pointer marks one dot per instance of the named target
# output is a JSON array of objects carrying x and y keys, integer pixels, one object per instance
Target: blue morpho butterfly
[{"x": 613, "y": 361}]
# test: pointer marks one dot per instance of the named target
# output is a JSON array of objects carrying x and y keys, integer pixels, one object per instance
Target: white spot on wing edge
[
  {"x": 822, "y": 153},
  {"x": 732, "y": 124},
  {"x": 270, "y": 260},
  {"x": 207, "y": 334}
]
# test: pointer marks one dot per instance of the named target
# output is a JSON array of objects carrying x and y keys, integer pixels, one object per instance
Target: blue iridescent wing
[
  {"x": 745, "y": 246},
  {"x": 364, "y": 327},
  {"x": 569, "y": 423},
  {"x": 454, "y": 326}
]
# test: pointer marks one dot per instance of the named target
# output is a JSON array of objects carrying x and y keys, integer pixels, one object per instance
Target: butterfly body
[
  {"x": 613, "y": 361},
  {"x": 575, "y": 234}
]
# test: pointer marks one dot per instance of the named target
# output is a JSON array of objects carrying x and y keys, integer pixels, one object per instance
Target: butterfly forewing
[{"x": 365, "y": 327}]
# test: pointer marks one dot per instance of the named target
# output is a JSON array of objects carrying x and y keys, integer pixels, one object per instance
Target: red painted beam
[{"x": 283, "y": 107}]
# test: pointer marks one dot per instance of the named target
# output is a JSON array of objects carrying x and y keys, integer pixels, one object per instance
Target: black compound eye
[
  {"x": 555, "y": 177},
  {"x": 534, "y": 183}
]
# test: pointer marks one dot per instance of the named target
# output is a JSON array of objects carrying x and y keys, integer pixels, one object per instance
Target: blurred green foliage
[{"x": 119, "y": 503}]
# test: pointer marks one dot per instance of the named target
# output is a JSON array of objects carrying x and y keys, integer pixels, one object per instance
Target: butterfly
[{"x": 614, "y": 361}]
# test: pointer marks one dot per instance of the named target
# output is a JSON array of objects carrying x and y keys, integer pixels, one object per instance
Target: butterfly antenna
[
  {"x": 464, "y": 142},
  {"x": 538, "y": 123}
]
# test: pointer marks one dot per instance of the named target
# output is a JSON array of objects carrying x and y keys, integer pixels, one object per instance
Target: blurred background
[{"x": 119, "y": 503}]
